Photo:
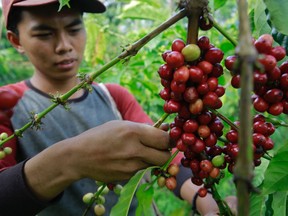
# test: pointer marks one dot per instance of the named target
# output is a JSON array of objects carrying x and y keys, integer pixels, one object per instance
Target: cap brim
[{"x": 89, "y": 6}]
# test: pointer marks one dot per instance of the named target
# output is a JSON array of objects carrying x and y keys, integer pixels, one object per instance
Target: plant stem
[
  {"x": 232, "y": 125},
  {"x": 223, "y": 208},
  {"x": 243, "y": 171},
  {"x": 161, "y": 120},
  {"x": 95, "y": 196},
  {"x": 222, "y": 31}
]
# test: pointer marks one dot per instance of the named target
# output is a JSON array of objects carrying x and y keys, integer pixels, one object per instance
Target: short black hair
[{"x": 13, "y": 19}]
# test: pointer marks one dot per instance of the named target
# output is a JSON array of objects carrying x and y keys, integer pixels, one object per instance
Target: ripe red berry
[
  {"x": 165, "y": 72},
  {"x": 284, "y": 81},
  {"x": 273, "y": 95},
  {"x": 206, "y": 165},
  {"x": 198, "y": 147},
  {"x": 204, "y": 23},
  {"x": 175, "y": 133},
  {"x": 190, "y": 126},
  {"x": 212, "y": 83},
  {"x": 181, "y": 75},
  {"x": 175, "y": 59},
  {"x": 235, "y": 81},
  {"x": 195, "y": 74},
  {"x": 171, "y": 106},
  {"x": 171, "y": 183},
  {"x": 217, "y": 70},
  {"x": 203, "y": 43},
  {"x": 188, "y": 138},
  {"x": 278, "y": 52},
  {"x": 276, "y": 109},
  {"x": 232, "y": 136},
  {"x": 211, "y": 140},
  {"x": 264, "y": 43},
  {"x": 202, "y": 192},
  {"x": 260, "y": 104},
  {"x": 205, "y": 66},
  {"x": 214, "y": 55},
  {"x": 210, "y": 99},
  {"x": 165, "y": 93},
  {"x": 268, "y": 61},
  {"x": 177, "y": 45},
  {"x": 190, "y": 94},
  {"x": 230, "y": 62}
]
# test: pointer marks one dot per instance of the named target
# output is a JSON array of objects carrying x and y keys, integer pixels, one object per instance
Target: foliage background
[{"x": 125, "y": 22}]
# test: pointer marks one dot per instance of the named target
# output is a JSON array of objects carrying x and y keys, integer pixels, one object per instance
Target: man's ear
[{"x": 15, "y": 41}]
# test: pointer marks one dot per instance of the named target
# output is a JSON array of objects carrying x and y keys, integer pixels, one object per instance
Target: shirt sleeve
[
  {"x": 127, "y": 104},
  {"x": 15, "y": 196}
]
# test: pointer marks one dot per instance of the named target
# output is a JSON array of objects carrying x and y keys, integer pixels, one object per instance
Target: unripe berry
[
  {"x": 99, "y": 209},
  {"x": 3, "y": 136},
  {"x": 7, "y": 150},
  {"x": 2, "y": 155},
  {"x": 161, "y": 181},
  {"x": 87, "y": 198},
  {"x": 173, "y": 169},
  {"x": 191, "y": 52},
  {"x": 117, "y": 189}
]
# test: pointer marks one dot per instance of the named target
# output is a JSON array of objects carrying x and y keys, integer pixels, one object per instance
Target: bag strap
[{"x": 112, "y": 101}]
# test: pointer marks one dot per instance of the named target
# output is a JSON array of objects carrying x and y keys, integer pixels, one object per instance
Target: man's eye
[
  {"x": 75, "y": 30},
  {"x": 42, "y": 35}
]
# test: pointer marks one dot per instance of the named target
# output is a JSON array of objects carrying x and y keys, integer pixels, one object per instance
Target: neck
[{"x": 56, "y": 86}]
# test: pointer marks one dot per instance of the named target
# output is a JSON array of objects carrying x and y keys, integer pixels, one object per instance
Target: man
[{"x": 51, "y": 169}]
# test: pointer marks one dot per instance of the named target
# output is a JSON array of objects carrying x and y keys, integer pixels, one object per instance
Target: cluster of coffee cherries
[
  {"x": 270, "y": 80},
  {"x": 262, "y": 130},
  {"x": 167, "y": 177},
  {"x": 191, "y": 90},
  {"x": 98, "y": 198}
]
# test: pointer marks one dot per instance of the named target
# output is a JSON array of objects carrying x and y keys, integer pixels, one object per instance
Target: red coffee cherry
[
  {"x": 202, "y": 192},
  {"x": 175, "y": 59},
  {"x": 177, "y": 45},
  {"x": 171, "y": 183}
]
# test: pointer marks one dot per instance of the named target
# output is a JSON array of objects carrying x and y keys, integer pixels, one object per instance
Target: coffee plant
[{"x": 208, "y": 142}]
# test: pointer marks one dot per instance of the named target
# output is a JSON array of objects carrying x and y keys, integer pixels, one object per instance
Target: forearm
[{"x": 49, "y": 173}]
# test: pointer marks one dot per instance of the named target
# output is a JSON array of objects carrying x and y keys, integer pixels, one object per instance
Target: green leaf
[
  {"x": 219, "y": 3},
  {"x": 63, "y": 3},
  {"x": 138, "y": 10},
  {"x": 127, "y": 193},
  {"x": 276, "y": 175},
  {"x": 279, "y": 203},
  {"x": 256, "y": 204},
  {"x": 144, "y": 196},
  {"x": 260, "y": 19},
  {"x": 259, "y": 173},
  {"x": 278, "y": 10}
]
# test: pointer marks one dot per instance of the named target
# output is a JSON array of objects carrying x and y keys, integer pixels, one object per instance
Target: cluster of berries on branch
[
  {"x": 270, "y": 80},
  {"x": 191, "y": 90}
]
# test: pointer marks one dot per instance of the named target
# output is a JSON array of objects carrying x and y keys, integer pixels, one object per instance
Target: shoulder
[
  {"x": 19, "y": 87},
  {"x": 11, "y": 93}
]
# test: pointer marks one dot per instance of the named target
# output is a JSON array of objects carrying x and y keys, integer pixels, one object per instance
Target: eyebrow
[{"x": 42, "y": 27}]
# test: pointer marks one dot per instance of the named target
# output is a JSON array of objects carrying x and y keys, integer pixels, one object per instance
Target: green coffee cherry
[{"x": 87, "y": 198}]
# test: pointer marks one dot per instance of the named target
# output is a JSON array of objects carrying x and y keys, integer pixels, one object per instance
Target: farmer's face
[{"x": 53, "y": 41}]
